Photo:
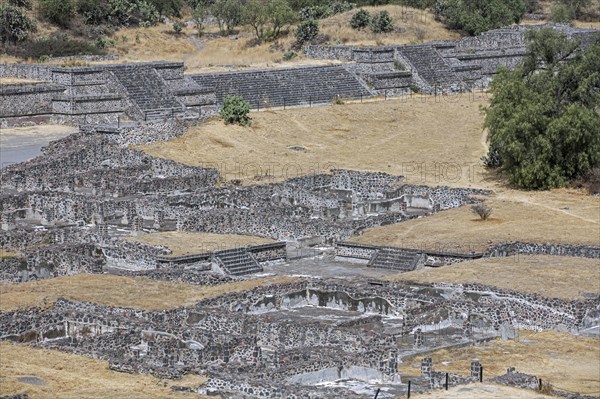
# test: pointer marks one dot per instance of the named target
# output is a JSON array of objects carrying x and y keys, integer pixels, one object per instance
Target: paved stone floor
[{"x": 326, "y": 266}]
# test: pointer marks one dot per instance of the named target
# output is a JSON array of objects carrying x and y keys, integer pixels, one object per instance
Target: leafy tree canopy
[{"x": 543, "y": 120}]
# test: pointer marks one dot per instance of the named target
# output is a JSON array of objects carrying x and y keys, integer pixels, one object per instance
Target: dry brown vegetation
[
  {"x": 566, "y": 361},
  {"x": 397, "y": 136},
  {"x": 217, "y": 53},
  {"x": 513, "y": 219},
  {"x": 4, "y": 253},
  {"x": 11, "y": 81},
  {"x": 69, "y": 376},
  {"x": 481, "y": 391},
  {"x": 184, "y": 243},
  {"x": 130, "y": 292},
  {"x": 551, "y": 276}
]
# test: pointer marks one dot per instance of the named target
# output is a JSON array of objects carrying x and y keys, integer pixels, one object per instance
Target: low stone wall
[{"x": 21, "y": 100}]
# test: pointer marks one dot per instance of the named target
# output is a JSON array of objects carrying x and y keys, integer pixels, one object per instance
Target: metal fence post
[{"x": 408, "y": 394}]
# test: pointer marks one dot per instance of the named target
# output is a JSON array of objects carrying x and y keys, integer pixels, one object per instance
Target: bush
[
  {"x": 542, "y": 120},
  {"x": 482, "y": 210},
  {"x": 58, "y": 12},
  {"x": 133, "y": 12},
  {"x": 58, "y": 46},
  {"x": 476, "y": 16},
  {"x": 235, "y": 111},
  {"x": 178, "y": 27},
  {"x": 341, "y": 6},
  {"x": 561, "y": 13},
  {"x": 382, "y": 23},
  {"x": 288, "y": 55},
  {"x": 15, "y": 25},
  {"x": 94, "y": 12},
  {"x": 307, "y": 31},
  {"x": 103, "y": 42},
  {"x": 319, "y": 11},
  {"x": 21, "y": 3},
  {"x": 360, "y": 19}
]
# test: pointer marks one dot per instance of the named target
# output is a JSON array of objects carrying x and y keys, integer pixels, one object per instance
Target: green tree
[
  {"x": 561, "y": 13},
  {"x": 15, "y": 25},
  {"x": 94, "y": 12},
  {"x": 476, "y": 16},
  {"x": 577, "y": 7},
  {"x": 235, "y": 110},
  {"x": 382, "y": 23},
  {"x": 360, "y": 19},
  {"x": 543, "y": 122},
  {"x": 307, "y": 31},
  {"x": 228, "y": 14},
  {"x": 199, "y": 17},
  {"x": 58, "y": 12},
  {"x": 255, "y": 15},
  {"x": 280, "y": 14}
]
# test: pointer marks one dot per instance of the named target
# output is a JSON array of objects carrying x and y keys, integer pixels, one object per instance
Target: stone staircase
[
  {"x": 395, "y": 259},
  {"x": 147, "y": 90},
  {"x": 237, "y": 262},
  {"x": 431, "y": 69},
  {"x": 285, "y": 87}
]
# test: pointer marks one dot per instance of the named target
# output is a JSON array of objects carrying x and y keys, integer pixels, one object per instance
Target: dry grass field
[
  {"x": 68, "y": 376},
  {"x": 566, "y": 361},
  {"x": 481, "y": 391},
  {"x": 410, "y": 137},
  {"x": 551, "y": 276},
  {"x": 11, "y": 81},
  {"x": 459, "y": 230},
  {"x": 209, "y": 52},
  {"x": 129, "y": 292},
  {"x": 185, "y": 243}
]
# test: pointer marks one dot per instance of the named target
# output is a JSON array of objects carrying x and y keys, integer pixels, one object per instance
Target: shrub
[
  {"x": 288, "y": 55},
  {"x": 337, "y": 100},
  {"x": 57, "y": 46},
  {"x": 178, "y": 27},
  {"x": 58, "y": 12},
  {"x": 341, "y": 6},
  {"x": 561, "y": 13},
  {"x": 235, "y": 110},
  {"x": 360, "y": 19},
  {"x": 319, "y": 11},
  {"x": 103, "y": 42},
  {"x": 476, "y": 16},
  {"x": 133, "y": 12},
  {"x": 94, "y": 12},
  {"x": 542, "y": 119},
  {"x": 482, "y": 210},
  {"x": 533, "y": 6},
  {"x": 382, "y": 23},
  {"x": 21, "y": 3},
  {"x": 15, "y": 25},
  {"x": 307, "y": 31}
]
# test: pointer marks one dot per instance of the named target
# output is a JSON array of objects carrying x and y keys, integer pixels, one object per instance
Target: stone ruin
[{"x": 73, "y": 209}]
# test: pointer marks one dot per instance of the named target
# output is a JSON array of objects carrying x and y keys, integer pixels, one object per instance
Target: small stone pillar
[
  {"x": 467, "y": 328},
  {"x": 418, "y": 338},
  {"x": 426, "y": 367},
  {"x": 159, "y": 217},
  {"x": 8, "y": 221},
  {"x": 257, "y": 354},
  {"x": 179, "y": 224},
  {"x": 137, "y": 225},
  {"x": 475, "y": 369}
]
